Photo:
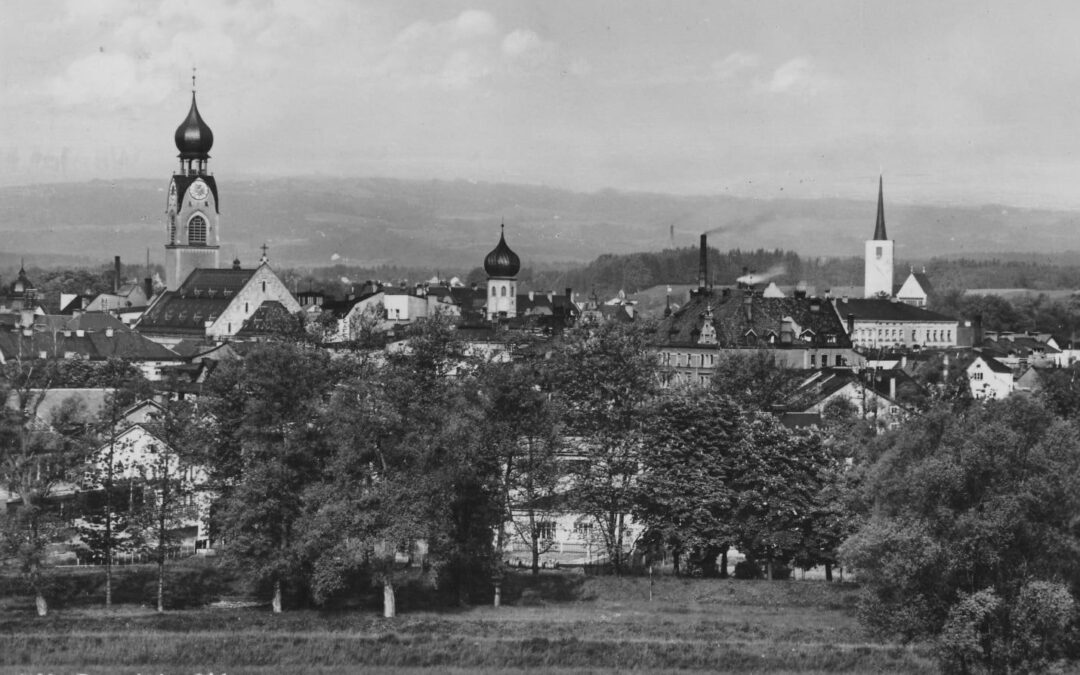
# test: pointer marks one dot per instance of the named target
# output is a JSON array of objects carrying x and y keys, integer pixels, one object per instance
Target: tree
[
  {"x": 130, "y": 387},
  {"x": 167, "y": 480},
  {"x": 34, "y": 460},
  {"x": 778, "y": 476},
  {"x": 603, "y": 376},
  {"x": 268, "y": 447},
  {"x": 405, "y": 478},
  {"x": 684, "y": 496},
  {"x": 967, "y": 512},
  {"x": 754, "y": 379},
  {"x": 522, "y": 431}
]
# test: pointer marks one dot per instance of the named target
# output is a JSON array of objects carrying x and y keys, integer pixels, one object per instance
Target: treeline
[{"x": 330, "y": 475}]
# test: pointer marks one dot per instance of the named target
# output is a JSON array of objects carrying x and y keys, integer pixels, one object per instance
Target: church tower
[
  {"x": 192, "y": 231},
  {"x": 502, "y": 266},
  {"x": 879, "y": 256}
]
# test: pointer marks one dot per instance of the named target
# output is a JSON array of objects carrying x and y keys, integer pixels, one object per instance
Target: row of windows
[
  {"x": 687, "y": 360},
  {"x": 708, "y": 360},
  {"x": 494, "y": 290},
  {"x": 869, "y": 334}
]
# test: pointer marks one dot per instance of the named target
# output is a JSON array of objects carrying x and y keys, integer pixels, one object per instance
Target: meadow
[{"x": 560, "y": 622}]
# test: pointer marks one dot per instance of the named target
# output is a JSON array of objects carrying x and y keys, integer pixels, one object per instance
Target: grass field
[{"x": 560, "y": 623}]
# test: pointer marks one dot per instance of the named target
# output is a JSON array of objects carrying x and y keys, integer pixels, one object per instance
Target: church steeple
[
  {"x": 879, "y": 228},
  {"x": 878, "y": 278},
  {"x": 191, "y": 214}
]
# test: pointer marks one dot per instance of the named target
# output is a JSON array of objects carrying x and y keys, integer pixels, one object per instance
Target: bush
[
  {"x": 748, "y": 569},
  {"x": 780, "y": 572}
]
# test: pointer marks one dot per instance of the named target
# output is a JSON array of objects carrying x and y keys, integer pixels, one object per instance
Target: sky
[{"x": 955, "y": 102}]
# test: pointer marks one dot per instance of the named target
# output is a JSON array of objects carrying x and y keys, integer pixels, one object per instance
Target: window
[
  {"x": 546, "y": 529},
  {"x": 977, "y": 376},
  {"x": 813, "y": 361},
  {"x": 878, "y": 253},
  {"x": 504, "y": 291},
  {"x": 493, "y": 292},
  {"x": 197, "y": 231}
]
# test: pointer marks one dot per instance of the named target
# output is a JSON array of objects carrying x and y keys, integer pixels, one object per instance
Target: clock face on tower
[{"x": 198, "y": 190}]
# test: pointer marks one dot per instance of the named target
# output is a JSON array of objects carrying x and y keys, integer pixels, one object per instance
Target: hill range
[{"x": 451, "y": 225}]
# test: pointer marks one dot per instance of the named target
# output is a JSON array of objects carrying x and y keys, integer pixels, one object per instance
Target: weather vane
[{"x": 193, "y": 79}]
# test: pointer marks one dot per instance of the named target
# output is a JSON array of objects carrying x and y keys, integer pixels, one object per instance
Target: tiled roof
[
  {"x": 924, "y": 282},
  {"x": 202, "y": 297},
  {"x": 269, "y": 317},
  {"x": 176, "y": 313},
  {"x": 756, "y": 322},
  {"x": 91, "y": 321},
  {"x": 995, "y": 365},
  {"x": 91, "y": 345},
  {"x": 886, "y": 310}
]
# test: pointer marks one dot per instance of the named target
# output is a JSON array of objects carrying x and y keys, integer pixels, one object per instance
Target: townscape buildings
[{"x": 851, "y": 346}]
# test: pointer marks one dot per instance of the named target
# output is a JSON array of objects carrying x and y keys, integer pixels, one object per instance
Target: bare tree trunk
[
  {"x": 828, "y": 571},
  {"x": 389, "y": 606},
  {"x": 498, "y": 593},
  {"x": 723, "y": 563},
  {"x": 42, "y": 606},
  {"x": 276, "y": 603}
]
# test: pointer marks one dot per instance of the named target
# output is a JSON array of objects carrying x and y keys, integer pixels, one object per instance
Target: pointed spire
[{"x": 879, "y": 228}]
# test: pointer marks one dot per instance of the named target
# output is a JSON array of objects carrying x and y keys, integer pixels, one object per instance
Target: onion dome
[
  {"x": 193, "y": 137},
  {"x": 502, "y": 262}
]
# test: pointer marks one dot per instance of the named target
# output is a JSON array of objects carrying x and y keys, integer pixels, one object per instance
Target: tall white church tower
[
  {"x": 191, "y": 215},
  {"x": 879, "y": 255}
]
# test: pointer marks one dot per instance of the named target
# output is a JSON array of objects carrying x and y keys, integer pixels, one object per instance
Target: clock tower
[{"x": 191, "y": 216}]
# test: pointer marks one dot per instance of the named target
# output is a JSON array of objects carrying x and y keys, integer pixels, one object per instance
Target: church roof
[
  {"x": 271, "y": 317},
  {"x": 502, "y": 262},
  {"x": 203, "y": 296},
  {"x": 879, "y": 227},
  {"x": 193, "y": 137}
]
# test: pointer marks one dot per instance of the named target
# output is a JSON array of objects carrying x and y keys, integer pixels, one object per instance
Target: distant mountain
[{"x": 315, "y": 222}]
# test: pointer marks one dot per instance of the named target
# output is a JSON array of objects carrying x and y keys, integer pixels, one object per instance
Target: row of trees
[
  {"x": 329, "y": 470},
  {"x": 334, "y": 472}
]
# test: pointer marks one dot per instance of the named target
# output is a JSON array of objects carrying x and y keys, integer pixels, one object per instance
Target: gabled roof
[
  {"x": 924, "y": 281},
  {"x": 86, "y": 321},
  {"x": 269, "y": 317},
  {"x": 203, "y": 296},
  {"x": 91, "y": 345},
  {"x": 735, "y": 314},
  {"x": 992, "y": 363},
  {"x": 872, "y": 309}
]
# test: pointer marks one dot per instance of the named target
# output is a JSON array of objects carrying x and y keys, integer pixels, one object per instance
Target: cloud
[
  {"x": 735, "y": 64},
  {"x": 460, "y": 53},
  {"x": 798, "y": 75}
]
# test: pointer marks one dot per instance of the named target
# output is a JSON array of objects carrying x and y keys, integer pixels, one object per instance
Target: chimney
[
  {"x": 903, "y": 362},
  {"x": 569, "y": 295},
  {"x": 748, "y": 306},
  {"x": 148, "y": 288},
  {"x": 116, "y": 276},
  {"x": 892, "y": 386},
  {"x": 703, "y": 264},
  {"x": 851, "y": 324}
]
